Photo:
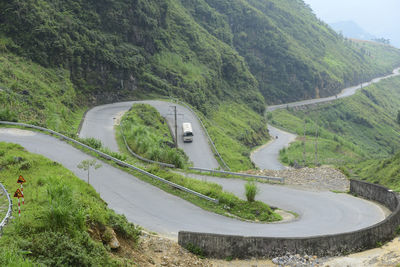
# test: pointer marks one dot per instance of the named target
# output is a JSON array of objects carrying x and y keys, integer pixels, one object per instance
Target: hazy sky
[{"x": 378, "y": 17}]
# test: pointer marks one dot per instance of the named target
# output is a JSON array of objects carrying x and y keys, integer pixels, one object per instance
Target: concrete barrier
[{"x": 228, "y": 246}]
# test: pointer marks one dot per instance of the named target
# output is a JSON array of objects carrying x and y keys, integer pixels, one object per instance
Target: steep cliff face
[
  {"x": 292, "y": 54},
  {"x": 202, "y": 51}
]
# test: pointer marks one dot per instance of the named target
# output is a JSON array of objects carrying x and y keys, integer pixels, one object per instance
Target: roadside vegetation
[
  {"x": 251, "y": 190},
  {"x": 63, "y": 221},
  {"x": 385, "y": 171},
  {"x": 148, "y": 135},
  {"x": 350, "y": 130},
  {"x": 229, "y": 204},
  {"x": 33, "y": 94}
]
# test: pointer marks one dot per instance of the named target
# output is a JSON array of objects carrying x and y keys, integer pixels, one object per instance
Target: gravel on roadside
[{"x": 321, "y": 178}]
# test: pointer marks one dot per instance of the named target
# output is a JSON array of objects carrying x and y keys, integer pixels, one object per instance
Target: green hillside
[
  {"x": 199, "y": 50},
  {"x": 363, "y": 126},
  {"x": 385, "y": 172},
  {"x": 292, "y": 54},
  {"x": 227, "y": 59},
  {"x": 34, "y": 94}
]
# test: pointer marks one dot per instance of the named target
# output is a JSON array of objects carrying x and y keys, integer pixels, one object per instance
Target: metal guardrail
[
  {"x": 226, "y": 167},
  {"x": 280, "y": 179},
  {"x": 9, "y": 211},
  {"x": 119, "y": 162}
]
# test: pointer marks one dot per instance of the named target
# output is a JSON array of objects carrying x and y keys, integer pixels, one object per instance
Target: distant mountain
[{"x": 351, "y": 29}]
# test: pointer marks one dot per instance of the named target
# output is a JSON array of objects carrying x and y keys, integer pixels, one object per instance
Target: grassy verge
[
  {"x": 147, "y": 134},
  {"x": 229, "y": 204},
  {"x": 63, "y": 220}
]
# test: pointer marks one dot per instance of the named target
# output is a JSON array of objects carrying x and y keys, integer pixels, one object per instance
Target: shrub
[
  {"x": 92, "y": 142},
  {"x": 251, "y": 190},
  {"x": 195, "y": 250},
  {"x": 8, "y": 115},
  {"x": 122, "y": 227},
  {"x": 59, "y": 249}
]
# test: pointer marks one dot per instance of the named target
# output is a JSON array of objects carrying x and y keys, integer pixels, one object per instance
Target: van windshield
[{"x": 188, "y": 134}]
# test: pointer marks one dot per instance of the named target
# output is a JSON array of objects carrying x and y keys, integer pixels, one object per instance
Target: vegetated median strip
[
  {"x": 142, "y": 158},
  {"x": 9, "y": 211},
  {"x": 279, "y": 179},
  {"x": 119, "y": 162}
]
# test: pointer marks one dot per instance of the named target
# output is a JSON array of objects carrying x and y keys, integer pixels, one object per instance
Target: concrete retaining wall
[{"x": 224, "y": 246}]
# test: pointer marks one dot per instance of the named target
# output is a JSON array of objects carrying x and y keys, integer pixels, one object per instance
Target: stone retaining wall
[{"x": 227, "y": 246}]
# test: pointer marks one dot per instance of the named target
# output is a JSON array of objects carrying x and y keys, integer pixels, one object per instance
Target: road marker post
[
  {"x": 18, "y": 194},
  {"x": 21, "y": 180}
]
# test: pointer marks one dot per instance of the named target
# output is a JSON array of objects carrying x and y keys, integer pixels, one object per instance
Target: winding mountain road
[
  {"x": 320, "y": 212},
  {"x": 266, "y": 157}
]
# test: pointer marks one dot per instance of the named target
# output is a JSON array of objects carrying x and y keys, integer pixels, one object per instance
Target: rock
[{"x": 110, "y": 238}]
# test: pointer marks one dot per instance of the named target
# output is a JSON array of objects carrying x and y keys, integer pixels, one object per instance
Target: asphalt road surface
[
  {"x": 99, "y": 123},
  {"x": 320, "y": 212},
  {"x": 267, "y": 156}
]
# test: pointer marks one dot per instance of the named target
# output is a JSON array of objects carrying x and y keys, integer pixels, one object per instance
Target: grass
[
  {"x": 385, "y": 172},
  {"x": 36, "y": 95},
  {"x": 251, "y": 191},
  {"x": 229, "y": 204},
  {"x": 59, "y": 214},
  {"x": 350, "y": 130},
  {"x": 147, "y": 134},
  {"x": 235, "y": 130}
]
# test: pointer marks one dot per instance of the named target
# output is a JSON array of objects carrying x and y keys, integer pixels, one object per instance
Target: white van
[{"x": 187, "y": 132}]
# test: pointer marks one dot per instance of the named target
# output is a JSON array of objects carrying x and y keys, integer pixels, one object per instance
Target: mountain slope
[
  {"x": 292, "y": 54},
  {"x": 386, "y": 172},
  {"x": 350, "y": 130},
  {"x": 115, "y": 49},
  {"x": 198, "y": 50}
]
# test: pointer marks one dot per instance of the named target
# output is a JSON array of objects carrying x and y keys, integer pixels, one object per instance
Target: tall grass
[
  {"x": 148, "y": 135},
  {"x": 251, "y": 190}
]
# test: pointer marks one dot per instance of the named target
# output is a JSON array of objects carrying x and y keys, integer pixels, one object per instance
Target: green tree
[{"x": 87, "y": 164}]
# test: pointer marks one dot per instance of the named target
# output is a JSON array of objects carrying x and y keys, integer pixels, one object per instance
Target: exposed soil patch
[{"x": 155, "y": 250}]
